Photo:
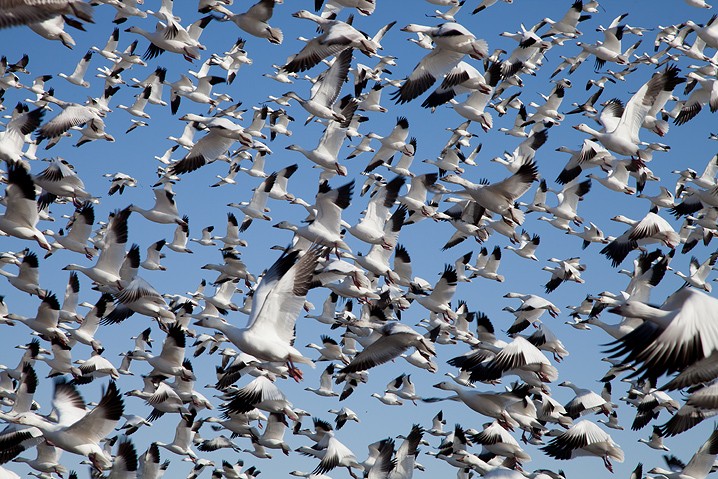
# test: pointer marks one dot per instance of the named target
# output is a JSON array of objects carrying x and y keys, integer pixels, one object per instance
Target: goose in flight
[
  {"x": 700, "y": 464},
  {"x": 21, "y": 211},
  {"x": 277, "y": 302},
  {"x": 621, "y": 133},
  {"x": 325, "y": 91},
  {"x": 452, "y": 41},
  {"x": 254, "y": 21},
  {"x": 393, "y": 339},
  {"x": 106, "y": 270},
  {"x": 584, "y": 438},
  {"x": 78, "y": 430},
  {"x": 164, "y": 210},
  {"x": 671, "y": 338},
  {"x": 500, "y": 197}
]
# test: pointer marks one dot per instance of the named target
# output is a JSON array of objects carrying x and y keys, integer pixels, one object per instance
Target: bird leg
[
  {"x": 294, "y": 373},
  {"x": 608, "y": 464},
  {"x": 351, "y": 473}
]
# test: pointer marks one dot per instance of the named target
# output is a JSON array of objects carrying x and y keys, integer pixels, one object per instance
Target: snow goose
[
  {"x": 337, "y": 36},
  {"x": 497, "y": 440},
  {"x": 698, "y": 272},
  {"x": 28, "y": 277},
  {"x": 664, "y": 199},
  {"x": 655, "y": 441},
  {"x": 667, "y": 339},
  {"x": 77, "y": 430},
  {"x": 370, "y": 228},
  {"x": 223, "y": 133},
  {"x": 568, "y": 198},
  {"x": 46, "y": 460},
  {"x": 568, "y": 23},
  {"x": 440, "y": 297},
  {"x": 489, "y": 404},
  {"x": 329, "y": 350},
  {"x": 164, "y": 210},
  {"x": 465, "y": 217},
  {"x": 651, "y": 229},
  {"x": 45, "y": 322},
  {"x": 336, "y": 454},
  {"x": 269, "y": 333},
  {"x": 527, "y": 246},
  {"x": 77, "y": 76},
  {"x": 72, "y": 115},
  {"x": 149, "y": 463},
  {"x": 585, "y": 401},
  {"x": 261, "y": 393},
  {"x": 452, "y": 42},
  {"x": 183, "y": 439},
  {"x": 29, "y": 12},
  {"x": 394, "y": 338},
  {"x": 78, "y": 234},
  {"x": 500, "y": 197},
  {"x": 590, "y": 155},
  {"x": 254, "y": 21},
  {"x": 567, "y": 270},
  {"x": 622, "y": 136},
  {"x": 708, "y": 33},
  {"x": 584, "y": 439},
  {"x": 487, "y": 265},
  {"x": 180, "y": 238},
  {"x": 206, "y": 239},
  {"x": 201, "y": 93},
  {"x": 256, "y": 207},
  {"x": 326, "y": 90},
  {"x": 326, "y": 227},
  {"x": 138, "y": 296},
  {"x": 325, "y": 155},
  {"x": 174, "y": 38},
  {"x": 60, "y": 179},
  {"x": 519, "y": 354},
  {"x": 170, "y": 362},
  {"x": 12, "y": 139},
  {"x": 85, "y": 333},
  {"x": 706, "y": 94},
  {"x": 545, "y": 339},
  {"x": 395, "y": 141},
  {"x": 21, "y": 212},
  {"x": 700, "y": 464},
  {"x": 231, "y": 237},
  {"x": 325, "y": 383},
  {"x": 54, "y": 29}
]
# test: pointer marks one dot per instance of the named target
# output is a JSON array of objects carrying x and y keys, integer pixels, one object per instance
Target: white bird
[
  {"x": 584, "y": 438},
  {"x": 276, "y": 305},
  {"x": 21, "y": 213},
  {"x": 452, "y": 42},
  {"x": 326, "y": 90},
  {"x": 621, "y": 135},
  {"x": 700, "y": 464},
  {"x": 254, "y": 21},
  {"x": 77, "y": 430},
  {"x": 164, "y": 210},
  {"x": 393, "y": 339},
  {"x": 77, "y": 76}
]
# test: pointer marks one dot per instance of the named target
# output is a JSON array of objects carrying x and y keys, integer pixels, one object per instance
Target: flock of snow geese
[{"x": 361, "y": 268}]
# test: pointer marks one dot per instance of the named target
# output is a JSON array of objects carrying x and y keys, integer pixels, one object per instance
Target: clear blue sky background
[{"x": 133, "y": 154}]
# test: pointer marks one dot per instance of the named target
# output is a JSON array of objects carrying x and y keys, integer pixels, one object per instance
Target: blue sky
[{"x": 133, "y": 154}]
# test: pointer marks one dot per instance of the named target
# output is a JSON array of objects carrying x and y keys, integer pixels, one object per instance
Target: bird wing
[
  {"x": 101, "y": 421},
  {"x": 433, "y": 66},
  {"x": 326, "y": 90},
  {"x": 277, "y": 303}
]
